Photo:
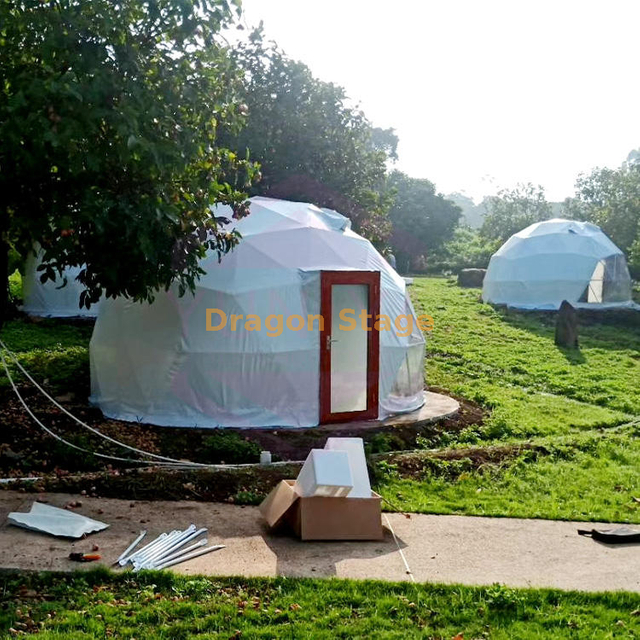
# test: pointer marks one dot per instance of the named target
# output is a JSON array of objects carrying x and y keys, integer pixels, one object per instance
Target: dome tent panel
[
  {"x": 240, "y": 377},
  {"x": 556, "y": 260},
  {"x": 139, "y": 344},
  {"x": 610, "y": 281},
  {"x": 408, "y": 384},
  {"x": 53, "y": 299}
]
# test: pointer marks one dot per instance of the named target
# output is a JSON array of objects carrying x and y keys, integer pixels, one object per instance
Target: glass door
[{"x": 349, "y": 345}]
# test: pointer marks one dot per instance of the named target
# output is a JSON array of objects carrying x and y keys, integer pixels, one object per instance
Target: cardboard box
[{"x": 323, "y": 518}]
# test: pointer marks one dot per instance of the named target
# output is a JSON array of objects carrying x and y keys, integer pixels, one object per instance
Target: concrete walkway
[{"x": 448, "y": 549}]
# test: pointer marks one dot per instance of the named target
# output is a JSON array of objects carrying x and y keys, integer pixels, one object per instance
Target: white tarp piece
[
  {"x": 52, "y": 299},
  {"x": 357, "y": 463},
  {"x": 157, "y": 363},
  {"x": 556, "y": 260},
  {"x": 57, "y": 522}
]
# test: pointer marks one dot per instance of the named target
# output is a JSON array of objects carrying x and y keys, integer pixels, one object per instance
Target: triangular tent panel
[
  {"x": 556, "y": 260},
  {"x": 157, "y": 363},
  {"x": 53, "y": 299}
]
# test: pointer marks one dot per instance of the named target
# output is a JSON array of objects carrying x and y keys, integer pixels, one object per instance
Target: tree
[
  {"x": 514, "y": 209},
  {"x": 467, "y": 249},
  {"x": 472, "y": 214},
  {"x": 610, "y": 198},
  {"x": 109, "y": 118},
  {"x": 311, "y": 144},
  {"x": 422, "y": 219}
]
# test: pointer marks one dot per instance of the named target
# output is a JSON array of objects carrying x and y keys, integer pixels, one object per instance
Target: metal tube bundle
[{"x": 167, "y": 549}]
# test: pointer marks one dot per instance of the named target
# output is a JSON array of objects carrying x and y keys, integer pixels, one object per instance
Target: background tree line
[
  {"x": 121, "y": 125},
  {"x": 607, "y": 197}
]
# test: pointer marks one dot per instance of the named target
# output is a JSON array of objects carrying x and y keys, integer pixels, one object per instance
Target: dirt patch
[
  {"x": 415, "y": 464},
  {"x": 26, "y": 450},
  {"x": 242, "y": 486},
  {"x": 249, "y": 485},
  {"x": 470, "y": 413}
]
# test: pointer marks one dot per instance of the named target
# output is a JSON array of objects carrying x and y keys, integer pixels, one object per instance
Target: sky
[{"x": 483, "y": 94}]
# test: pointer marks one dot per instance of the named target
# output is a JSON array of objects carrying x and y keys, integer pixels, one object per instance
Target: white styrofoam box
[
  {"x": 325, "y": 473},
  {"x": 357, "y": 463}
]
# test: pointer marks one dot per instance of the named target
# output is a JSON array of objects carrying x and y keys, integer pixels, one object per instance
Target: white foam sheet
[
  {"x": 325, "y": 473},
  {"x": 357, "y": 464},
  {"x": 56, "y": 522}
]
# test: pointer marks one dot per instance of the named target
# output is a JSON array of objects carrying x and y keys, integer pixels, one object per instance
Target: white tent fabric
[
  {"x": 556, "y": 260},
  {"x": 156, "y": 362},
  {"x": 52, "y": 299}
]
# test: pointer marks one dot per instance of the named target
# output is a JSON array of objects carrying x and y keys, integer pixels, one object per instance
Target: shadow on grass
[
  {"x": 572, "y": 356},
  {"x": 604, "y": 329}
]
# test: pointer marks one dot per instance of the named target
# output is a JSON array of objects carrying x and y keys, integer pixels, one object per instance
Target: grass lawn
[
  {"x": 153, "y": 605},
  {"x": 582, "y": 407},
  {"x": 50, "y": 350}
]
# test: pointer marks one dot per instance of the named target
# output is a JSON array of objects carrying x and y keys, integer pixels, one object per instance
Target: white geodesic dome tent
[
  {"x": 556, "y": 260},
  {"x": 157, "y": 363},
  {"x": 53, "y": 299}
]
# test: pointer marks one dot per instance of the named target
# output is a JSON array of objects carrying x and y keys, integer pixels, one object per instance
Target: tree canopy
[
  {"x": 472, "y": 214},
  {"x": 514, "y": 209},
  {"x": 422, "y": 219},
  {"x": 466, "y": 249},
  {"x": 611, "y": 199},
  {"x": 110, "y": 115},
  {"x": 312, "y": 144}
]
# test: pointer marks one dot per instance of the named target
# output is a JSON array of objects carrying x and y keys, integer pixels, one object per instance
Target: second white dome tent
[
  {"x": 556, "y": 260},
  {"x": 277, "y": 333},
  {"x": 53, "y": 299}
]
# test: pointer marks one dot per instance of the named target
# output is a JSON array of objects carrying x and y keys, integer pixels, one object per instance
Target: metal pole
[
  {"x": 131, "y": 547},
  {"x": 176, "y": 543},
  {"x": 164, "y": 540},
  {"x": 189, "y": 556},
  {"x": 181, "y": 552},
  {"x": 149, "y": 545}
]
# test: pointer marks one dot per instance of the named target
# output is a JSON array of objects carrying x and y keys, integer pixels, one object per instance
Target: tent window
[{"x": 410, "y": 377}]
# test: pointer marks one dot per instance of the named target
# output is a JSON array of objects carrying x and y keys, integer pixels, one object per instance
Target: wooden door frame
[{"x": 327, "y": 280}]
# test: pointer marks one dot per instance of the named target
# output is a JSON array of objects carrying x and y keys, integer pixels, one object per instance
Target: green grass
[
  {"x": 483, "y": 353},
  {"x": 153, "y": 605},
  {"x": 52, "y": 350},
  {"x": 595, "y": 479},
  {"x": 15, "y": 285},
  {"x": 568, "y": 401}
]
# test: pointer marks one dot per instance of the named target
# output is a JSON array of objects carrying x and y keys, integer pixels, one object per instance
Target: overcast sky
[{"x": 482, "y": 93}]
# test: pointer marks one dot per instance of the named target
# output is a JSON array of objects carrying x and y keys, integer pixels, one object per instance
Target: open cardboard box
[{"x": 323, "y": 518}]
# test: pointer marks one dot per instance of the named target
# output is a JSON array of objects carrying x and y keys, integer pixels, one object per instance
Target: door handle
[{"x": 329, "y": 342}]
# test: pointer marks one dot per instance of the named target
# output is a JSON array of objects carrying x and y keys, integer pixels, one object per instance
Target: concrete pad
[
  {"x": 516, "y": 552},
  {"x": 444, "y": 549},
  {"x": 436, "y": 407},
  {"x": 250, "y": 549}
]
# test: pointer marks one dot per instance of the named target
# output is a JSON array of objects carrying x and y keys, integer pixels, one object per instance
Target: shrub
[
  {"x": 229, "y": 447},
  {"x": 467, "y": 250}
]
